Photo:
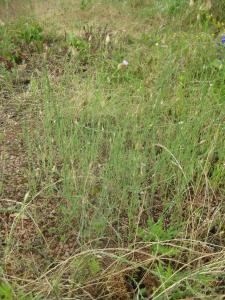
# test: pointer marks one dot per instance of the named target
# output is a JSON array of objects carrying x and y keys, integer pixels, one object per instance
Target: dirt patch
[{"x": 13, "y": 164}]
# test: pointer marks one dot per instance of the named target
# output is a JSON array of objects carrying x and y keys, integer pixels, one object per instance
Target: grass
[{"x": 115, "y": 189}]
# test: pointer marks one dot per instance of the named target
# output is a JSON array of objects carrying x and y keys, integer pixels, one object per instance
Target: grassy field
[{"x": 112, "y": 149}]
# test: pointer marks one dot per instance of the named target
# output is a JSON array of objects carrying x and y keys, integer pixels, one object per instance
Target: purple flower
[
  {"x": 223, "y": 39},
  {"x": 125, "y": 62}
]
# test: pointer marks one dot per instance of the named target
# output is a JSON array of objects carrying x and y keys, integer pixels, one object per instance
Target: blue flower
[{"x": 223, "y": 39}]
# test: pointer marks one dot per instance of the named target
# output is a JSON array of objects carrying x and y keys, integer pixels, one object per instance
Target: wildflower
[
  {"x": 223, "y": 39},
  {"x": 123, "y": 65}
]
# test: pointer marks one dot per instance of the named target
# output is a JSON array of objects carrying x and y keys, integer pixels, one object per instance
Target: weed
[
  {"x": 176, "y": 285},
  {"x": 157, "y": 232},
  {"x": 76, "y": 42},
  {"x": 84, "y": 3},
  {"x": 31, "y": 32},
  {"x": 17, "y": 41},
  {"x": 5, "y": 292}
]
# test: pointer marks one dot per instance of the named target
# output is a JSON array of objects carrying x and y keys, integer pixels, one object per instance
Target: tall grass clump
[{"x": 133, "y": 153}]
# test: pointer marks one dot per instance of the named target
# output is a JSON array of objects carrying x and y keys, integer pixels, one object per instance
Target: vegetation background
[{"x": 112, "y": 174}]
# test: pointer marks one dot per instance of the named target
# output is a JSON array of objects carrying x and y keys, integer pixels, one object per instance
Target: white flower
[{"x": 123, "y": 65}]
